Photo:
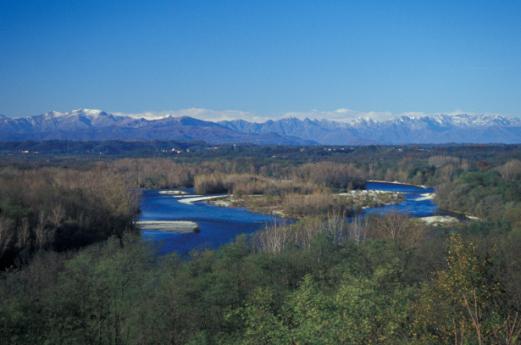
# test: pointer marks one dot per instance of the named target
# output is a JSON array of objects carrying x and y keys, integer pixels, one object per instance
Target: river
[{"x": 220, "y": 225}]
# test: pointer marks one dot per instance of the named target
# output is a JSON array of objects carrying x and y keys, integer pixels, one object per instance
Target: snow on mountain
[
  {"x": 95, "y": 124},
  {"x": 440, "y": 128}
]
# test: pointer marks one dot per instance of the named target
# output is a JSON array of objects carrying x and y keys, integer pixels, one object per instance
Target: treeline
[
  {"x": 348, "y": 169},
  {"x": 237, "y": 176},
  {"x": 247, "y": 184},
  {"x": 383, "y": 281},
  {"x": 200, "y": 151},
  {"x": 60, "y": 209},
  {"x": 219, "y": 176},
  {"x": 493, "y": 194},
  {"x": 424, "y": 164},
  {"x": 429, "y": 165},
  {"x": 98, "y": 149}
]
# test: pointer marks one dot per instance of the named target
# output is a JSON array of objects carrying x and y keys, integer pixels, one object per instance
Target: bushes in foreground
[{"x": 325, "y": 289}]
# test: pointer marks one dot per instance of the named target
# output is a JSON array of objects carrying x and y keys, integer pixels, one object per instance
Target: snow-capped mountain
[
  {"x": 93, "y": 124},
  {"x": 461, "y": 128}
]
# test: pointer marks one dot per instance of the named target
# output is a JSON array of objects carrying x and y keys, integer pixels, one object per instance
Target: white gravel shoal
[
  {"x": 398, "y": 182},
  {"x": 438, "y": 220},
  {"x": 181, "y": 226},
  {"x": 173, "y": 192},
  {"x": 190, "y": 201},
  {"x": 426, "y": 196}
]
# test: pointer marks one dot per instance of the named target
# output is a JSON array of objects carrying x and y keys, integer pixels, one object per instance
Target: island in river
[{"x": 220, "y": 225}]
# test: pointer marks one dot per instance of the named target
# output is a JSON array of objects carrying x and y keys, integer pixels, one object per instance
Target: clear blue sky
[{"x": 260, "y": 56}]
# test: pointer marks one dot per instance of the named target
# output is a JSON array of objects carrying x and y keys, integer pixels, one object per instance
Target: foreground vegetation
[
  {"x": 343, "y": 284},
  {"x": 75, "y": 272}
]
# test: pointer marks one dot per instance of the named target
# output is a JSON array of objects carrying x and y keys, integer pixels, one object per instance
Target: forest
[{"x": 75, "y": 271}]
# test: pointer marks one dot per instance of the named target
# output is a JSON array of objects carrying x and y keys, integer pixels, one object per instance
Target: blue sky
[{"x": 261, "y": 57}]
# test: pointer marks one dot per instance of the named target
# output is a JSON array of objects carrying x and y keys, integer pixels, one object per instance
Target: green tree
[{"x": 462, "y": 305}]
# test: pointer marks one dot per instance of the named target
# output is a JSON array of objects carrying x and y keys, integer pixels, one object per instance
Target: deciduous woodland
[{"x": 74, "y": 270}]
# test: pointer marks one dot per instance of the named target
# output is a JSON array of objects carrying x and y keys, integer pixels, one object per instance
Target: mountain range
[{"x": 92, "y": 124}]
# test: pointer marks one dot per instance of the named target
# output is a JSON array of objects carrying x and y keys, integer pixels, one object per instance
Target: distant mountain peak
[
  {"x": 96, "y": 124},
  {"x": 404, "y": 129}
]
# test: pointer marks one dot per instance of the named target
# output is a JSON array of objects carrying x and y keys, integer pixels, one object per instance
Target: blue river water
[
  {"x": 414, "y": 203},
  {"x": 217, "y": 225},
  {"x": 220, "y": 225}
]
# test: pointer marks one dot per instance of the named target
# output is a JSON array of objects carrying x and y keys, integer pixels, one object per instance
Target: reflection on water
[{"x": 220, "y": 225}]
